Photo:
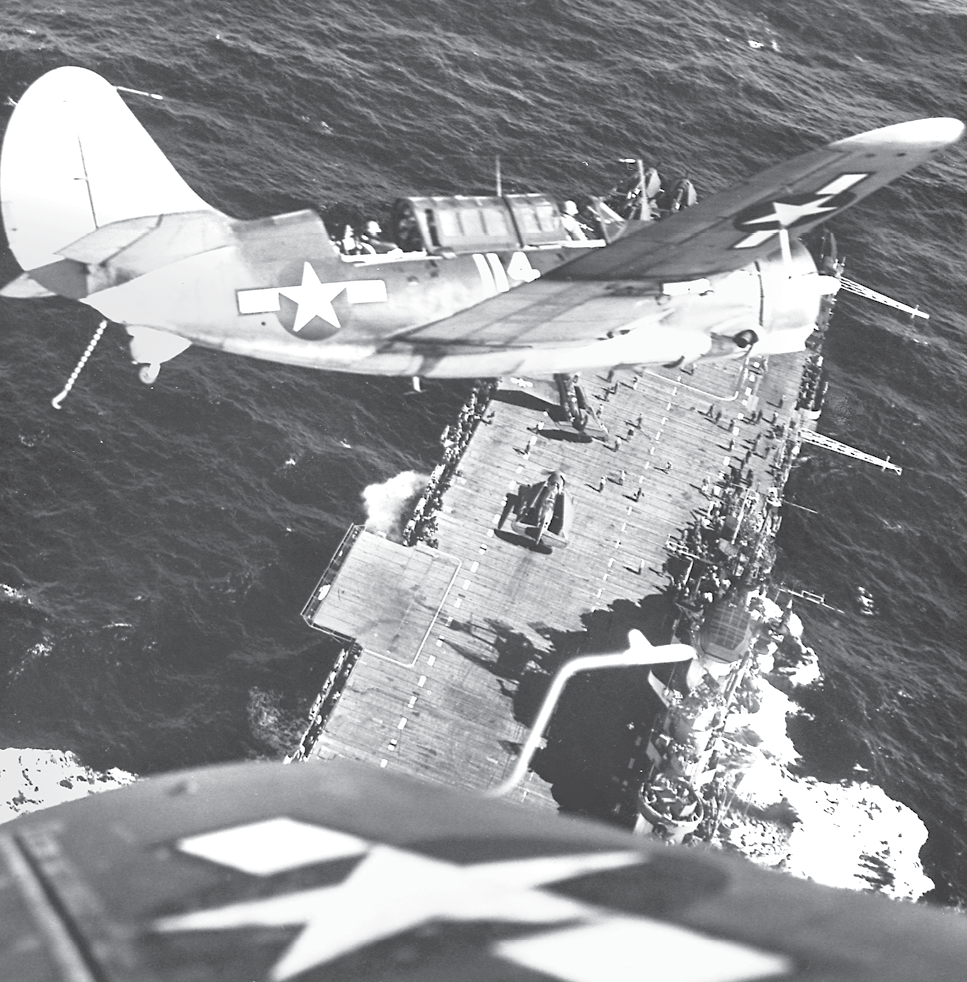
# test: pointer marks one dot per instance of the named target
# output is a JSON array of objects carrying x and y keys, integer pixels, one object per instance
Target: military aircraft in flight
[
  {"x": 544, "y": 511},
  {"x": 341, "y": 871},
  {"x": 476, "y": 287}
]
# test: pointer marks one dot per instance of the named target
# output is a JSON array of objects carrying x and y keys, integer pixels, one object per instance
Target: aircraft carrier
[{"x": 450, "y": 641}]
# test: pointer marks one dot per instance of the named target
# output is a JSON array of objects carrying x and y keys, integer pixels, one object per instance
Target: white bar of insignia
[
  {"x": 756, "y": 238},
  {"x": 842, "y": 183},
  {"x": 258, "y": 301},
  {"x": 366, "y": 291}
]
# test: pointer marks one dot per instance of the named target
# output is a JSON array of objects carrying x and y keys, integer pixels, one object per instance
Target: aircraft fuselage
[
  {"x": 376, "y": 314},
  {"x": 483, "y": 285}
]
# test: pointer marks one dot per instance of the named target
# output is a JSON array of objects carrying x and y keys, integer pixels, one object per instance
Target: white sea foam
[
  {"x": 849, "y": 834},
  {"x": 34, "y": 779}
]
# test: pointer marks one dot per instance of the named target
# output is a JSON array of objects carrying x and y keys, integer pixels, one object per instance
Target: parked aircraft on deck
[
  {"x": 477, "y": 286},
  {"x": 544, "y": 511}
]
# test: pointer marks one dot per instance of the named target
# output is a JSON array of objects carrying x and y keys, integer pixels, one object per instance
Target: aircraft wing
[
  {"x": 722, "y": 233},
  {"x": 733, "y": 228},
  {"x": 340, "y": 871}
]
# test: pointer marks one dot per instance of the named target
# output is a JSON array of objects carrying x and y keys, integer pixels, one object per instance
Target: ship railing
[
  {"x": 329, "y": 574},
  {"x": 327, "y": 700}
]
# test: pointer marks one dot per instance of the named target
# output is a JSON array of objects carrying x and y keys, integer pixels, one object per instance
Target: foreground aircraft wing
[
  {"x": 722, "y": 233},
  {"x": 339, "y": 871}
]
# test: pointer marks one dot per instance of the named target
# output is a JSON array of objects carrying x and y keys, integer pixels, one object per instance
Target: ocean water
[{"x": 158, "y": 543}]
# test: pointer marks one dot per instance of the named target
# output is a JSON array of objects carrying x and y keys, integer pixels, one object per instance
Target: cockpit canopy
[{"x": 447, "y": 226}]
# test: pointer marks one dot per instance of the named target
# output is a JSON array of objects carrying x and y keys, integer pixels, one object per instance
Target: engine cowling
[{"x": 792, "y": 290}]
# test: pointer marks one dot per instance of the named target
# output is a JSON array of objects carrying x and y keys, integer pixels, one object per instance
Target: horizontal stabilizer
[
  {"x": 107, "y": 241},
  {"x": 74, "y": 159},
  {"x": 25, "y": 287},
  {"x": 138, "y": 245}
]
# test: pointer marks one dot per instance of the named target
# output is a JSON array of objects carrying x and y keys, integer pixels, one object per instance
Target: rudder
[{"x": 74, "y": 159}]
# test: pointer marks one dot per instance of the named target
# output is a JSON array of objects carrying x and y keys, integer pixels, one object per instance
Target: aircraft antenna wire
[{"x": 87, "y": 182}]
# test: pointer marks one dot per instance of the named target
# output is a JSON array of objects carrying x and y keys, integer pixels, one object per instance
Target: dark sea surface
[{"x": 158, "y": 543}]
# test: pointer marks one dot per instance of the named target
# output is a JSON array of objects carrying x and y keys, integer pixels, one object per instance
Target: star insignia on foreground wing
[
  {"x": 768, "y": 218},
  {"x": 313, "y": 299},
  {"x": 393, "y": 890}
]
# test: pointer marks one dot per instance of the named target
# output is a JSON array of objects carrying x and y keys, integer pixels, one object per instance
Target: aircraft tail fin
[{"x": 75, "y": 159}]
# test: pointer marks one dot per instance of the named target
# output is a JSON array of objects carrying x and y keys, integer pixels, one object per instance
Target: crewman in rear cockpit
[{"x": 569, "y": 219}]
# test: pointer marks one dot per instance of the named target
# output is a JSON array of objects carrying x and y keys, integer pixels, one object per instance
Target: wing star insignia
[
  {"x": 764, "y": 220},
  {"x": 392, "y": 890}
]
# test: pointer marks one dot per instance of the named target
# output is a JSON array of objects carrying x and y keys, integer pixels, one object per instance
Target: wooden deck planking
[{"x": 510, "y": 606}]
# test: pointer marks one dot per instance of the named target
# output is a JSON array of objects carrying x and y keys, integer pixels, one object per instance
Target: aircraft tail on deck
[{"x": 74, "y": 160}]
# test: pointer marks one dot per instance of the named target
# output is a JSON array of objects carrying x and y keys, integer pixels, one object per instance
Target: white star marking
[
  {"x": 393, "y": 890},
  {"x": 786, "y": 215},
  {"x": 314, "y": 296},
  {"x": 314, "y": 299}
]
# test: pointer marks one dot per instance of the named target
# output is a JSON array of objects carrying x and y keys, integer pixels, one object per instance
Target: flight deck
[{"x": 450, "y": 643}]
